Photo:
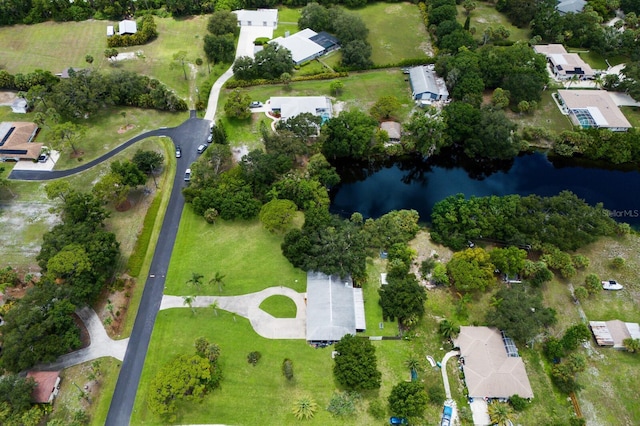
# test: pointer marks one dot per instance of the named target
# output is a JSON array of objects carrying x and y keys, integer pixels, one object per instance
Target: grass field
[
  {"x": 55, "y": 46},
  {"x": 248, "y": 256},
  {"x": 396, "y": 32},
  {"x": 279, "y": 306},
  {"x": 596, "y": 60},
  {"x": 547, "y": 115},
  {"x": 485, "y": 15}
]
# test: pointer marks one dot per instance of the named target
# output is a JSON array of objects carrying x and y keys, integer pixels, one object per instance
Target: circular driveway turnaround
[{"x": 248, "y": 306}]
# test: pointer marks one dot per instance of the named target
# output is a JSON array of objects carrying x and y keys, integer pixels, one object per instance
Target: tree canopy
[
  {"x": 408, "y": 399},
  {"x": 356, "y": 366}
]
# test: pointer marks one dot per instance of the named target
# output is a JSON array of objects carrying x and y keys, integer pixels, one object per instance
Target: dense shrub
[{"x": 146, "y": 32}]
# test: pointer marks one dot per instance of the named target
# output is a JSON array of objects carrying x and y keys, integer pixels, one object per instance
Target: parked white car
[{"x": 611, "y": 285}]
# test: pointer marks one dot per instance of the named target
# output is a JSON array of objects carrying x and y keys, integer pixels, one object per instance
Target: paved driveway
[
  {"x": 245, "y": 48},
  {"x": 248, "y": 306}
]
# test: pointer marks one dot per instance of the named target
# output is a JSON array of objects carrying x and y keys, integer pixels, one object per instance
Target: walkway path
[
  {"x": 101, "y": 344},
  {"x": 248, "y": 306},
  {"x": 443, "y": 370}
]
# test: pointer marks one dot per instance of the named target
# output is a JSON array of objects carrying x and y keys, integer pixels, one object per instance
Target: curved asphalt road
[{"x": 188, "y": 135}]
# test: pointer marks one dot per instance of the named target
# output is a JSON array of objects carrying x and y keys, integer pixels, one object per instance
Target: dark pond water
[{"x": 374, "y": 189}]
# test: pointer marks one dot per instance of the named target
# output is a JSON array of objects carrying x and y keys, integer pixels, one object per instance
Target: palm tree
[
  {"x": 500, "y": 413},
  {"x": 196, "y": 279},
  {"x": 305, "y": 408},
  {"x": 188, "y": 300},
  {"x": 448, "y": 329},
  {"x": 413, "y": 364},
  {"x": 215, "y": 307},
  {"x": 217, "y": 279}
]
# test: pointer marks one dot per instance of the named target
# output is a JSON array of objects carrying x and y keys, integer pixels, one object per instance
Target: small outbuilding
[
  {"x": 19, "y": 106},
  {"x": 612, "y": 333},
  {"x": 110, "y": 30},
  {"x": 127, "y": 27},
  {"x": 47, "y": 386},
  {"x": 393, "y": 129}
]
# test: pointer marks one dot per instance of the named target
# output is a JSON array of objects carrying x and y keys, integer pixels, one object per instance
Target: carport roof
[{"x": 330, "y": 307}]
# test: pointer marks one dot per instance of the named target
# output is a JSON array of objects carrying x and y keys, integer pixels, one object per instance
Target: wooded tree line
[
  {"x": 77, "y": 258},
  {"x": 564, "y": 221},
  {"x": 87, "y": 91}
]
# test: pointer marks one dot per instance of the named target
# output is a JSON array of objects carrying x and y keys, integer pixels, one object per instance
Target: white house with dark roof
[
  {"x": 592, "y": 108},
  {"x": 565, "y": 65},
  {"x": 334, "y": 308},
  {"x": 290, "y": 106},
  {"x": 127, "y": 27},
  {"x": 257, "y": 18},
  {"x": 491, "y": 364},
  {"x": 426, "y": 86}
]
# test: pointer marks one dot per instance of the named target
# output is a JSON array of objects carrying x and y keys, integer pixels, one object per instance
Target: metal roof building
[
  {"x": 257, "y": 18},
  {"x": 570, "y": 6},
  {"x": 492, "y": 366},
  {"x": 127, "y": 27},
  {"x": 425, "y": 86},
  {"x": 334, "y": 308}
]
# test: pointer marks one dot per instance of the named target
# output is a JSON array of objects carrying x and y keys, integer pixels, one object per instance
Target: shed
[
  {"x": 110, "y": 30},
  {"x": 334, "y": 308},
  {"x": 19, "y": 106},
  {"x": 127, "y": 27},
  {"x": 393, "y": 129},
  {"x": 47, "y": 386},
  {"x": 612, "y": 333}
]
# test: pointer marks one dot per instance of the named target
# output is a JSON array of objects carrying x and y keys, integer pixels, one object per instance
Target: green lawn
[
  {"x": 248, "y": 256},
  {"x": 279, "y": 306},
  {"x": 396, "y": 32},
  {"x": 373, "y": 311},
  {"x": 485, "y": 15},
  {"x": 248, "y": 395},
  {"x": 55, "y": 46},
  {"x": 547, "y": 115},
  {"x": 596, "y": 60},
  {"x": 632, "y": 114}
]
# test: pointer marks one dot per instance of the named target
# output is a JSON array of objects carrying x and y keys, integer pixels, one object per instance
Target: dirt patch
[
  {"x": 7, "y": 98},
  {"x": 113, "y": 305},
  {"x": 124, "y": 206},
  {"x": 240, "y": 152},
  {"x": 425, "y": 248},
  {"x": 77, "y": 154},
  {"x": 126, "y": 128}
]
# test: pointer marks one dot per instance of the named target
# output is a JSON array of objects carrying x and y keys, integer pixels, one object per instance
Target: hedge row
[
  {"x": 262, "y": 81},
  {"x": 142, "y": 243}
]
